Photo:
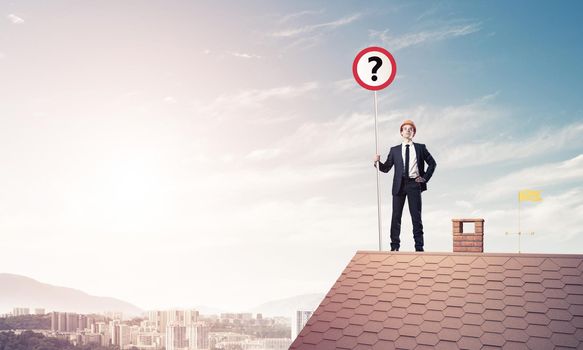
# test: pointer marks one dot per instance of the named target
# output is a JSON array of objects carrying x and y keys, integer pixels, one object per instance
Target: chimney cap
[{"x": 468, "y": 220}]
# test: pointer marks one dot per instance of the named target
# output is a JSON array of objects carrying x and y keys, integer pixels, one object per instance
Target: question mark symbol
[{"x": 378, "y": 64}]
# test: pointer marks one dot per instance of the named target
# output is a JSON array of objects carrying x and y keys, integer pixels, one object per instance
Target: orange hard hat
[{"x": 408, "y": 122}]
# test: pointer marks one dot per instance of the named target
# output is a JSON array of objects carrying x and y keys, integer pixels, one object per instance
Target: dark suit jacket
[{"x": 396, "y": 157}]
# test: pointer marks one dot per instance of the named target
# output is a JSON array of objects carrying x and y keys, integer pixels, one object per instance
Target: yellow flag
[{"x": 529, "y": 195}]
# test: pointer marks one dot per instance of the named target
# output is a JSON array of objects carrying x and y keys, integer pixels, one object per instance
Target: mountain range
[{"x": 21, "y": 291}]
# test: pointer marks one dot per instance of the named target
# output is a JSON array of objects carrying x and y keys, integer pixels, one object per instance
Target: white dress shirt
[{"x": 413, "y": 170}]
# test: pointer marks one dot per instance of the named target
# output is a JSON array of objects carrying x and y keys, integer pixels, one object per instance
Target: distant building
[
  {"x": 90, "y": 323},
  {"x": 149, "y": 340},
  {"x": 175, "y": 317},
  {"x": 299, "y": 320},
  {"x": 54, "y": 321},
  {"x": 236, "y": 318},
  {"x": 114, "y": 332},
  {"x": 62, "y": 322},
  {"x": 190, "y": 317},
  {"x": 176, "y": 337},
  {"x": 39, "y": 311},
  {"x": 159, "y": 319},
  {"x": 114, "y": 315},
  {"x": 81, "y": 322},
  {"x": 100, "y": 327},
  {"x": 120, "y": 334},
  {"x": 103, "y": 329},
  {"x": 125, "y": 336},
  {"x": 20, "y": 311},
  {"x": 276, "y": 343},
  {"x": 91, "y": 338},
  {"x": 198, "y": 336},
  {"x": 72, "y": 322}
]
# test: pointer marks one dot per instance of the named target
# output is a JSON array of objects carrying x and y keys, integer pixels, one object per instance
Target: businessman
[{"x": 409, "y": 180}]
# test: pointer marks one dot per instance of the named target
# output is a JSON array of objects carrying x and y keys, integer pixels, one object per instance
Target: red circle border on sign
[{"x": 393, "y": 64}]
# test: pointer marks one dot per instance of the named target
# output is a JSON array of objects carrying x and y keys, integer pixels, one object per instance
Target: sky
[{"x": 220, "y": 153}]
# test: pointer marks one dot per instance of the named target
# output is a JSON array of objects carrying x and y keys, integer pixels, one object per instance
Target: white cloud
[
  {"x": 293, "y": 32},
  {"x": 307, "y": 36},
  {"x": 243, "y": 55},
  {"x": 427, "y": 13},
  {"x": 414, "y": 39},
  {"x": 255, "y": 96},
  {"x": 500, "y": 149},
  {"x": 299, "y": 14},
  {"x": 536, "y": 177},
  {"x": 345, "y": 85},
  {"x": 464, "y": 204},
  {"x": 170, "y": 99},
  {"x": 556, "y": 218},
  {"x": 15, "y": 19},
  {"x": 233, "y": 104},
  {"x": 263, "y": 154}
]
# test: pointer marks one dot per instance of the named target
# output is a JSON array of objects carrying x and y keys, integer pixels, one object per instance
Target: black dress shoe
[
  {"x": 394, "y": 249},
  {"x": 419, "y": 250}
]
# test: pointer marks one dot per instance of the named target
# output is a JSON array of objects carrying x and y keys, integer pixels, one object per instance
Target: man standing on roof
[{"x": 409, "y": 180}]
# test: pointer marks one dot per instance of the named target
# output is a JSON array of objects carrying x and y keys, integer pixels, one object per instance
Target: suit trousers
[{"x": 411, "y": 191}]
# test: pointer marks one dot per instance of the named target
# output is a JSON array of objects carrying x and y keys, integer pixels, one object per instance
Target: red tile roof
[{"x": 386, "y": 300}]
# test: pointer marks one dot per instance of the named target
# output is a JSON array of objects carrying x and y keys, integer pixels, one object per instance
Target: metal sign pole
[
  {"x": 376, "y": 140},
  {"x": 375, "y": 78}
]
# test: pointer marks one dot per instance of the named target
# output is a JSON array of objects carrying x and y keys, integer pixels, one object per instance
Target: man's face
[{"x": 407, "y": 131}]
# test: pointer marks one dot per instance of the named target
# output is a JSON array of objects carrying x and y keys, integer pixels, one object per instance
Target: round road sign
[{"x": 374, "y": 68}]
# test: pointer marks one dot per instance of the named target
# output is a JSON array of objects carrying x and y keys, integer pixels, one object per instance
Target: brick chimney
[{"x": 468, "y": 235}]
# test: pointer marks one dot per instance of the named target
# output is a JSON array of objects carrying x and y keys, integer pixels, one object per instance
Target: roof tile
[
  {"x": 426, "y": 338},
  {"x": 405, "y": 342},
  {"x": 413, "y": 319},
  {"x": 469, "y": 343},
  {"x": 516, "y": 335},
  {"x": 368, "y": 338},
  {"x": 567, "y": 340},
  {"x": 445, "y": 345},
  {"x": 388, "y": 334},
  {"x": 474, "y": 308},
  {"x": 515, "y": 311},
  {"x": 514, "y": 322},
  {"x": 449, "y": 334},
  {"x": 373, "y": 326},
  {"x": 562, "y": 327},
  {"x": 410, "y": 330},
  {"x": 536, "y": 318},
  {"x": 333, "y": 334},
  {"x": 536, "y": 343},
  {"x": 326, "y": 345},
  {"x": 493, "y": 326},
  {"x": 352, "y": 330},
  {"x": 492, "y": 339},
  {"x": 347, "y": 342},
  {"x": 538, "y": 331},
  {"x": 430, "y": 326}
]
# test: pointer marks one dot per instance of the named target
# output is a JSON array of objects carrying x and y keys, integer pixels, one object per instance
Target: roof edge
[{"x": 539, "y": 255}]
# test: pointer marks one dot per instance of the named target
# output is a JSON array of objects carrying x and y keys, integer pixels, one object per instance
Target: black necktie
[{"x": 407, "y": 161}]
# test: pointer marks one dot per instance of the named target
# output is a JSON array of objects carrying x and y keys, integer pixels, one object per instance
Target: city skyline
[
  {"x": 176, "y": 329},
  {"x": 220, "y": 154}
]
